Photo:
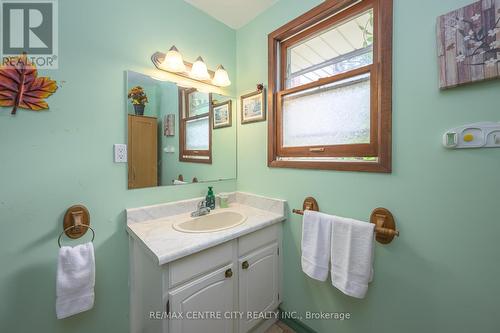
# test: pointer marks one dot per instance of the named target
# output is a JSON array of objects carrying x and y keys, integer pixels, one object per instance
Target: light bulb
[
  {"x": 221, "y": 78},
  {"x": 199, "y": 70},
  {"x": 173, "y": 61}
]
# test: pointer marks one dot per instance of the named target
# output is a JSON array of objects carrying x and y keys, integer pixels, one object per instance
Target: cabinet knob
[
  {"x": 229, "y": 273},
  {"x": 245, "y": 265}
]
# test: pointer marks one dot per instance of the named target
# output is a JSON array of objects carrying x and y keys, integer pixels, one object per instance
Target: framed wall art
[
  {"x": 469, "y": 44},
  {"x": 253, "y": 106}
]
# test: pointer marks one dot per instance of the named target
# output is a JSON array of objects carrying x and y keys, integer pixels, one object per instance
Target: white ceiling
[{"x": 234, "y": 13}]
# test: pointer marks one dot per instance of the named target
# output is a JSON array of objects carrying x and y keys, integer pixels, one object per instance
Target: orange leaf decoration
[{"x": 20, "y": 86}]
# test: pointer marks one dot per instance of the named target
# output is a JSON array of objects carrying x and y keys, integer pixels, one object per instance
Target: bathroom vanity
[{"x": 219, "y": 267}]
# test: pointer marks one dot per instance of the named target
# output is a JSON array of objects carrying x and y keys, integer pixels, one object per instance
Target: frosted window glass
[
  {"x": 338, "y": 49},
  {"x": 333, "y": 114},
  {"x": 197, "y": 134},
  {"x": 198, "y": 103}
]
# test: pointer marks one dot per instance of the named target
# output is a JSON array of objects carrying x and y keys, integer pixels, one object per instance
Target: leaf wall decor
[{"x": 20, "y": 86}]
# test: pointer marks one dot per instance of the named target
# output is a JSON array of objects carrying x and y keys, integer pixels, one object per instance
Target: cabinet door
[
  {"x": 142, "y": 151},
  {"x": 258, "y": 284},
  {"x": 212, "y": 293}
]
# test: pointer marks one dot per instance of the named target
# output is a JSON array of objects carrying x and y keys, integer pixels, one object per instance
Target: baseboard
[{"x": 297, "y": 325}]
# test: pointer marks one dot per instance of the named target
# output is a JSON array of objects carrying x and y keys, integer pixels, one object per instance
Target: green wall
[
  {"x": 169, "y": 97},
  {"x": 441, "y": 274},
  {"x": 52, "y": 160}
]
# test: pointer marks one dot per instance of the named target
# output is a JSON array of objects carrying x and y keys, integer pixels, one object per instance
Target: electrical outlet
[{"x": 120, "y": 153}]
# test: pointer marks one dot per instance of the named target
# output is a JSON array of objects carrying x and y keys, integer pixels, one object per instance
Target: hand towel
[
  {"x": 178, "y": 182},
  {"x": 352, "y": 255},
  {"x": 316, "y": 244},
  {"x": 75, "y": 280}
]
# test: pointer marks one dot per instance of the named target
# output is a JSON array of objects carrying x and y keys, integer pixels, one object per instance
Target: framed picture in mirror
[{"x": 222, "y": 114}]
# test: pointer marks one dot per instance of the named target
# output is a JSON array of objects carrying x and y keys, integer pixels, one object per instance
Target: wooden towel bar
[{"x": 385, "y": 226}]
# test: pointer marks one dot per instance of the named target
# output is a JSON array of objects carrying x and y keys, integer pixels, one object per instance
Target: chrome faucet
[{"x": 202, "y": 209}]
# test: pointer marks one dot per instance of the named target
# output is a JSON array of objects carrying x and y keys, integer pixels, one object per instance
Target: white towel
[
  {"x": 352, "y": 255},
  {"x": 178, "y": 182},
  {"x": 316, "y": 244},
  {"x": 75, "y": 280}
]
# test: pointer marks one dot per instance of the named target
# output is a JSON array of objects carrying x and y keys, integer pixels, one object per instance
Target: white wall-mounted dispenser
[
  {"x": 169, "y": 149},
  {"x": 476, "y": 135}
]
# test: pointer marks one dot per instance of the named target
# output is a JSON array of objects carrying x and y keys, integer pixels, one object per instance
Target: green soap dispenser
[{"x": 210, "y": 199}]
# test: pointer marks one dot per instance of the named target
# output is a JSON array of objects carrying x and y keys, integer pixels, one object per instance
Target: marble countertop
[{"x": 166, "y": 244}]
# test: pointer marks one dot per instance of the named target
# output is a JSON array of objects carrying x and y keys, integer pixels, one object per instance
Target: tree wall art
[{"x": 469, "y": 44}]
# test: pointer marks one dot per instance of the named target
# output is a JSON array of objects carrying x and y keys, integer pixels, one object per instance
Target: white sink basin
[{"x": 215, "y": 221}]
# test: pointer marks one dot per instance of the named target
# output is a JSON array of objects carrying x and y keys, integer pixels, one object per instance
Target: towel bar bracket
[
  {"x": 309, "y": 204},
  {"x": 385, "y": 226}
]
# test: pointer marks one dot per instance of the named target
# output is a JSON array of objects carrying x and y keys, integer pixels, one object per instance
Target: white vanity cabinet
[
  {"x": 259, "y": 275},
  {"x": 213, "y": 292},
  {"x": 221, "y": 283},
  {"x": 258, "y": 284}
]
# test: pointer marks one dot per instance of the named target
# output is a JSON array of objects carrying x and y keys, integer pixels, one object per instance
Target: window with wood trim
[
  {"x": 195, "y": 134},
  {"x": 330, "y": 88}
]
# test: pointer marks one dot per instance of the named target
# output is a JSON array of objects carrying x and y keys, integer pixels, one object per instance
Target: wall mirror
[{"x": 178, "y": 135}]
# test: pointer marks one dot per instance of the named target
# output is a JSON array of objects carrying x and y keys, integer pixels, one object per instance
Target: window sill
[
  {"x": 367, "y": 166},
  {"x": 196, "y": 159}
]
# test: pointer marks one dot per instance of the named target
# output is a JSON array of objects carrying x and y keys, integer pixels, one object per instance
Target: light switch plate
[{"x": 120, "y": 150}]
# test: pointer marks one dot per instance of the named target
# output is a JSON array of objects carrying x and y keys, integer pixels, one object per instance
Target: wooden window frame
[
  {"x": 319, "y": 18},
  {"x": 186, "y": 155}
]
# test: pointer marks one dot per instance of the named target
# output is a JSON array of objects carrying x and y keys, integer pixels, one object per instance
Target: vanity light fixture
[
  {"x": 199, "y": 70},
  {"x": 221, "y": 78},
  {"x": 173, "y": 61}
]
